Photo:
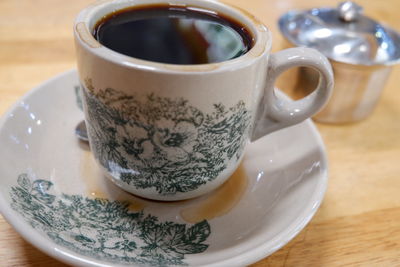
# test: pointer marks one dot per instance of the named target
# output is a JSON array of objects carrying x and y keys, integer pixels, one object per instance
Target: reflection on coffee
[{"x": 173, "y": 34}]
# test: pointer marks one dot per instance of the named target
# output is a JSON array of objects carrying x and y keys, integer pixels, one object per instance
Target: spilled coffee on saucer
[{"x": 173, "y": 34}]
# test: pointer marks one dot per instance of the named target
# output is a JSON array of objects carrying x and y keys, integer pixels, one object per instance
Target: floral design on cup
[
  {"x": 106, "y": 230},
  {"x": 163, "y": 143}
]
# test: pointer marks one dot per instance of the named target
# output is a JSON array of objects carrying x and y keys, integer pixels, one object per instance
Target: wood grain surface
[{"x": 358, "y": 223}]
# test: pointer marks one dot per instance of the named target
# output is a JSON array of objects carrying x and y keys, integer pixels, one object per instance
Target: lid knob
[{"x": 349, "y": 11}]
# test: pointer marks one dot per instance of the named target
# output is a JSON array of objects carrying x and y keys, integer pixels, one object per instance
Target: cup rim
[{"x": 87, "y": 18}]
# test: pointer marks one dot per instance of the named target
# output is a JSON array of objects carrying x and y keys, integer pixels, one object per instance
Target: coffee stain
[
  {"x": 98, "y": 194},
  {"x": 93, "y": 178},
  {"x": 215, "y": 204},
  {"x": 85, "y": 35},
  {"x": 219, "y": 202},
  {"x": 135, "y": 203},
  {"x": 91, "y": 175},
  {"x": 136, "y": 206}
]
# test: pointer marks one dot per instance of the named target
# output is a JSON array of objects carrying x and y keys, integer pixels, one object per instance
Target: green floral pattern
[
  {"x": 78, "y": 97},
  {"x": 106, "y": 230},
  {"x": 163, "y": 143}
]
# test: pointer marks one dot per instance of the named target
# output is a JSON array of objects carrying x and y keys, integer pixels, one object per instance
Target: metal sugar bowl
[{"x": 361, "y": 51}]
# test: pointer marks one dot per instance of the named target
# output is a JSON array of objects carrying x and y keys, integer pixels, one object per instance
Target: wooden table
[{"x": 358, "y": 223}]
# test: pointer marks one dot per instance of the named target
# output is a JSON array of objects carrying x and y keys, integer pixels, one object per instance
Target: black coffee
[{"x": 173, "y": 34}]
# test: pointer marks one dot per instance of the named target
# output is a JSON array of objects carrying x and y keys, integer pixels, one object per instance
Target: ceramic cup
[{"x": 172, "y": 132}]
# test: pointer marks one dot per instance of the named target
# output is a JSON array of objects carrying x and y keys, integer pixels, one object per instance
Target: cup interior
[{"x": 91, "y": 15}]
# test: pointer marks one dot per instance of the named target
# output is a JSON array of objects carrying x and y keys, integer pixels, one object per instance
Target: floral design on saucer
[
  {"x": 163, "y": 143},
  {"x": 104, "y": 229}
]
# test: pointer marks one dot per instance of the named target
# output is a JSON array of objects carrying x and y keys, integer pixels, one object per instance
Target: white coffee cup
[{"x": 172, "y": 132}]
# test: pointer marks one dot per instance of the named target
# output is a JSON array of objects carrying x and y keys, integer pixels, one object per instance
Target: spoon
[{"x": 81, "y": 132}]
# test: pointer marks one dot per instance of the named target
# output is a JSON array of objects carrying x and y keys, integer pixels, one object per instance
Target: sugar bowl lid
[{"x": 342, "y": 34}]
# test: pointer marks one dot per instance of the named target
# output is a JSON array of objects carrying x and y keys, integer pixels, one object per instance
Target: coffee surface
[{"x": 173, "y": 34}]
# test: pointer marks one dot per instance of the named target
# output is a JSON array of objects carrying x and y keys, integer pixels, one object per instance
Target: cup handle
[{"x": 275, "y": 112}]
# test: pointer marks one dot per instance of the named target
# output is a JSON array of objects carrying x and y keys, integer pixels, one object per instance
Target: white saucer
[{"x": 54, "y": 196}]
